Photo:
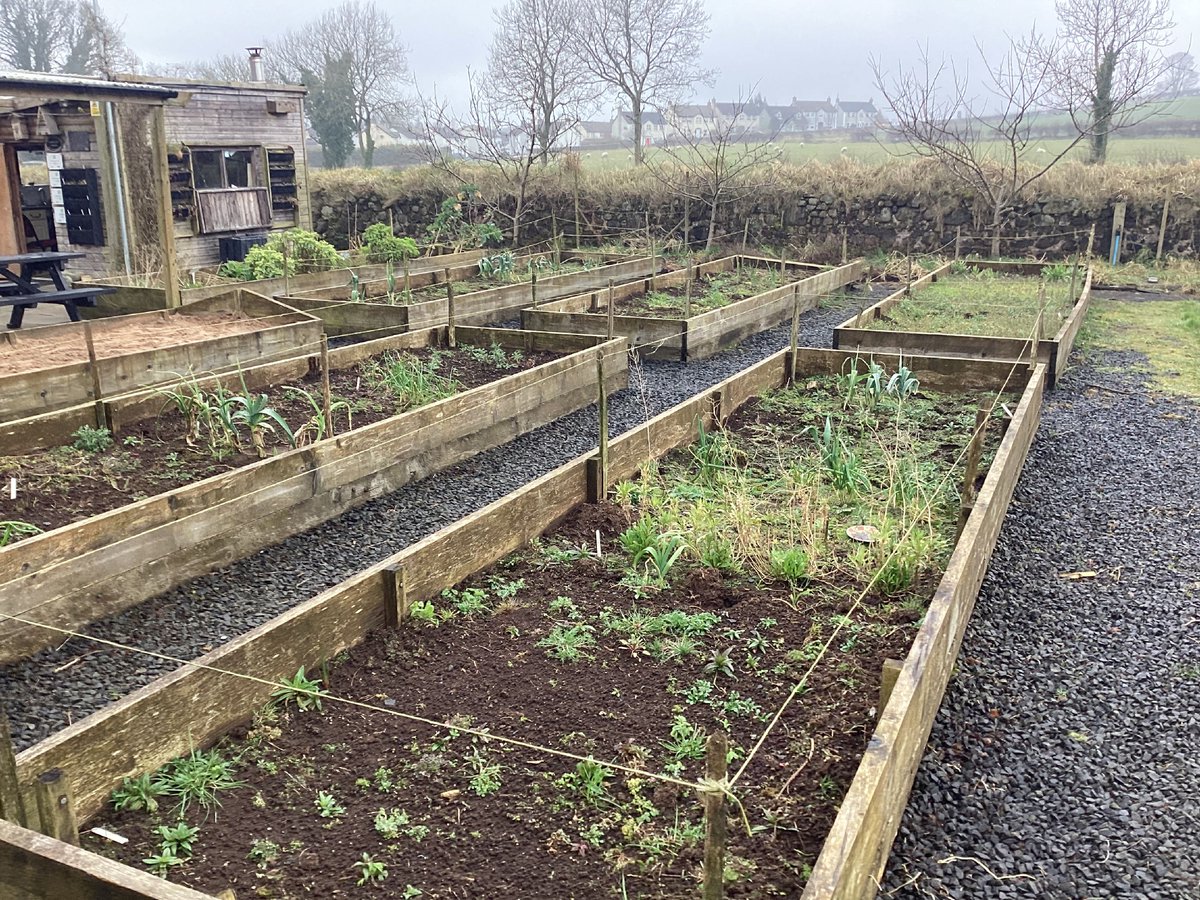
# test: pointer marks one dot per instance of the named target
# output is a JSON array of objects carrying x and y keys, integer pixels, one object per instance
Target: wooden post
[
  {"x": 554, "y": 234},
  {"x": 1118, "y": 232},
  {"x": 908, "y": 259},
  {"x": 407, "y": 283},
  {"x": 55, "y": 808},
  {"x": 1162, "y": 227},
  {"x": 94, "y": 369},
  {"x": 1074, "y": 275},
  {"x": 687, "y": 293},
  {"x": 395, "y": 596},
  {"x": 533, "y": 287},
  {"x": 845, "y": 244},
  {"x": 887, "y": 683},
  {"x": 715, "y": 760},
  {"x": 577, "y": 228},
  {"x": 611, "y": 311},
  {"x": 966, "y": 490},
  {"x": 649, "y": 240},
  {"x": 957, "y": 241},
  {"x": 745, "y": 235},
  {"x": 287, "y": 281},
  {"x": 326, "y": 393},
  {"x": 795, "y": 342},
  {"x": 602, "y": 476},
  {"x": 1091, "y": 240},
  {"x": 1041, "y": 319},
  {"x": 12, "y": 805},
  {"x": 451, "y": 339},
  {"x": 170, "y": 266},
  {"x": 687, "y": 218}
]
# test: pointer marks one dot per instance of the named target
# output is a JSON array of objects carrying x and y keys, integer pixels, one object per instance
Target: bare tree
[
  {"x": 1108, "y": 59},
  {"x": 75, "y": 38},
  {"x": 645, "y": 51},
  {"x": 533, "y": 56},
  {"x": 222, "y": 67},
  {"x": 983, "y": 141},
  {"x": 1181, "y": 76},
  {"x": 722, "y": 162},
  {"x": 363, "y": 33},
  {"x": 497, "y": 132}
]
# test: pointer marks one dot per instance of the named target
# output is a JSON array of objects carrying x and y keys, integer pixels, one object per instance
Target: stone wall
[{"x": 1050, "y": 227}]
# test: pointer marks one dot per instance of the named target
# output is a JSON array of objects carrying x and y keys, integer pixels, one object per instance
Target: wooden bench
[{"x": 71, "y": 298}]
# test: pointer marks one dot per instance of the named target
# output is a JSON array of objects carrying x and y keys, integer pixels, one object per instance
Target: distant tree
[
  {"x": 1108, "y": 59},
  {"x": 1181, "y": 76},
  {"x": 533, "y": 55},
  {"x": 73, "y": 37},
  {"x": 330, "y": 107},
  {"x": 985, "y": 142},
  {"x": 364, "y": 33},
  {"x": 722, "y": 164},
  {"x": 222, "y": 67},
  {"x": 647, "y": 52}
]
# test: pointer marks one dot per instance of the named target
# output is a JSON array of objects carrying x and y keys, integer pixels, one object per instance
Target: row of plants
[
  {"x": 706, "y": 293},
  {"x": 711, "y": 587}
]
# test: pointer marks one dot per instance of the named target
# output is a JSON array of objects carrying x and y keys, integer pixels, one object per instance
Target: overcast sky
[{"x": 790, "y": 47}]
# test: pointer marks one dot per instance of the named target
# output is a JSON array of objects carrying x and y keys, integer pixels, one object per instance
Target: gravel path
[
  {"x": 208, "y": 611},
  {"x": 1064, "y": 761}
]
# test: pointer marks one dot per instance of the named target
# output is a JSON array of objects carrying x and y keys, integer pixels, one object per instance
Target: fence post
[
  {"x": 795, "y": 343},
  {"x": 687, "y": 293},
  {"x": 1041, "y": 319},
  {"x": 1091, "y": 240},
  {"x": 966, "y": 491},
  {"x": 326, "y": 393},
  {"x": 12, "y": 805},
  {"x": 395, "y": 596},
  {"x": 55, "y": 807},
  {"x": 1074, "y": 276},
  {"x": 602, "y": 452},
  {"x": 93, "y": 367},
  {"x": 687, "y": 217},
  {"x": 745, "y": 234},
  {"x": 887, "y": 683},
  {"x": 715, "y": 757},
  {"x": 577, "y": 227},
  {"x": 845, "y": 244},
  {"x": 611, "y": 313},
  {"x": 451, "y": 339},
  {"x": 957, "y": 241},
  {"x": 533, "y": 287},
  {"x": 1162, "y": 227}
]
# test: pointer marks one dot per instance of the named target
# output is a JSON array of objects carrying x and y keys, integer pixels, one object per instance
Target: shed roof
[{"x": 15, "y": 83}]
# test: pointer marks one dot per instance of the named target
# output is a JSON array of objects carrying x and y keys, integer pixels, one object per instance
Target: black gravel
[
  {"x": 208, "y": 611},
  {"x": 1064, "y": 761}
]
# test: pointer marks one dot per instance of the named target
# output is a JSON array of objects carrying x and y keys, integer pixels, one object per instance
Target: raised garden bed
[
  {"x": 48, "y": 369},
  {"x": 490, "y": 306},
  {"x": 983, "y": 309},
  {"x": 652, "y": 312},
  {"x": 96, "y": 567},
  {"x": 499, "y": 837}
]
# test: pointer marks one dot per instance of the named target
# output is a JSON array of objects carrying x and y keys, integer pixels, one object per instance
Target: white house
[
  {"x": 856, "y": 114},
  {"x": 654, "y": 127}
]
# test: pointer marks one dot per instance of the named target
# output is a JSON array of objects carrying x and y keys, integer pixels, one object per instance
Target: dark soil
[
  {"x": 377, "y": 292},
  {"x": 708, "y": 293},
  {"x": 535, "y": 835},
  {"x": 64, "y": 485}
]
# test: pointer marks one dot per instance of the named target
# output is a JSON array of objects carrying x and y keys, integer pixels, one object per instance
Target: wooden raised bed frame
[
  {"x": 95, "y": 568},
  {"x": 285, "y": 332},
  {"x": 1054, "y": 352},
  {"x": 488, "y": 307},
  {"x": 197, "y": 703},
  {"x": 701, "y": 335}
]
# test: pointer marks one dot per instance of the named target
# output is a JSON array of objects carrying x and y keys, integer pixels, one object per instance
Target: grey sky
[{"x": 807, "y": 49}]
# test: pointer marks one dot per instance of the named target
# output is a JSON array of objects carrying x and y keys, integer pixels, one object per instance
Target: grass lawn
[{"x": 1167, "y": 331}]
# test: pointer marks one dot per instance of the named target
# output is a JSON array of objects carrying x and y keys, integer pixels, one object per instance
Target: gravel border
[
  {"x": 1063, "y": 761},
  {"x": 208, "y": 611}
]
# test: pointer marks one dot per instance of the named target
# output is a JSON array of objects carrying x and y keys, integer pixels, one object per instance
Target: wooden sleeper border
[
  {"x": 1054, "y": 352},
  {"x": 700, "y": 335},
  {"x": 95, "y": 568},
  {"x": 198, "y": 703}
]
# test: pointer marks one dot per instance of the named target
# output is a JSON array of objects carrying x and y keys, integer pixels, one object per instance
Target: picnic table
[{"x": 20, "y": 290}]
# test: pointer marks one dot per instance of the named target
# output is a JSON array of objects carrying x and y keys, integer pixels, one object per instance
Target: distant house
[
  {"x": 394, "y": 136},
  {"x": 654, "y": 127},
  {"x": 779, "y": 120},
  {"x": 589, "y": 133},
  {"x": 855, "y": 114},
  {"x": 813, "y": 115}
]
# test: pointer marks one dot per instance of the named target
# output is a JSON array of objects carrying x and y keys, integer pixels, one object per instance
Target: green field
[{"x": 1121, "y": 150}]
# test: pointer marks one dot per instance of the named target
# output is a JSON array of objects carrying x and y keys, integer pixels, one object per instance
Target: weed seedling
[
  {"x": 138, "y": 793},
  {"x": 328, "y": 806},
  {"x": 370, "y": 871},
  {"x": 486, "y": 778},
  {"x": 567, "y": 643},
  {"x": 720, "y": 662},
  {"x": 263, "y": 852},
  {"x": 177, "y": 840},
  {"x": 162, "y": 863},
  {"x": 301, "y": 690},
  {"x": 92, "y": 440},
  {"x": 197, "y": 777}
]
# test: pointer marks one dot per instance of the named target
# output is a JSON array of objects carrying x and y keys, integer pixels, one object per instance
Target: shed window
[{"x": 219, "y": 169}]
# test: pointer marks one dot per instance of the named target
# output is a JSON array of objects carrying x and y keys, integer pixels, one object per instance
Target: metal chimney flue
[{"x": 256, "y": 63}]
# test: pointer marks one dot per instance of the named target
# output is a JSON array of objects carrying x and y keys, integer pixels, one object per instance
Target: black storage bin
[{"x": 235, "y": 247}]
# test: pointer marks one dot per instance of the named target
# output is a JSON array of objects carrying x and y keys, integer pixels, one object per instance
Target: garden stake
[
  {"x": 1091, "y": 240},
  {"x": 1041, "y": 319},
  {"x": 1162, "y": 227},
  {"x": 745, "y": 235},
  {"x": 95, "y": 371},
  {"x": 957, "y": 241},
  {"x": 395, "y": 596},
  {"x": 407, "y": 286},
  {"x": 451, "y": 341},
  {"x": 714, "y": 816},
  {"x": 55, "y": 807},
  {"x": 602, "y": 475},
  {"x": 326, "y": 399},
  {"x": 1074, "y": 273},
  {"x": 966, "y": 491},
  {"x": 687, "y": 294},
  {"x": 533, "y": 286},
  {"x": 887, "y": 683},
  {"x": 577, "y": 229},
  {"x": 554, "y": 234},
  {"x": 687, "y": 217},
  {"x": 610, "y": 309},
  {"x": 286, "y": 280},
  {"x": 12, "y": 806},
  {"x": 845, "y": 244},
  {"x": 795, "y": 332}
]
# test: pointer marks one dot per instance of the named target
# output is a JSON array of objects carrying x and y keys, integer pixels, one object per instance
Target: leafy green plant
[
  {"x": 316, "y": 428},
  {"x": 849, "y": 381},
  {"x": 485, "y": 778},
  {"x": 588, "y": 780},
  {"x": 382, "y": 246},
  {"x": 498, "y": 266},
  {"x": 639, "y": 537},
  {"x": 177, "y": 840},
  {"x": 1057, "y": 272},
  {"x": 789, "y": 564},
  {"x": 263, "y": 852},
  {"x": 840, "y": 463},
  {"x": 712, "y": 453},
  {"x": 138, "y": 794},
  {"x": 305, "y": 692},
  {"x": 687, "y": 741},
  {"x": 260, "y": 419},
  {"x": 370, "y": 870},
  {"x": 567, "y": 643},
  {"x": 903, "y": 384},
  {"x": 328, "y": 806},
  {"x": 13, "y": 531},
  {"x": 198, "y": 777},
  {"x": 411, "y": 381},
  {"x": 91, "y": 440},
  {"x": 162, "y": 863},
  {"x": 423, "y": 611},
  {"x": 720, "y": 662},
  {"x": 663, "y": 556},
  {"x": 389, "y": 823},
  {"x": 874, "y": 384}
]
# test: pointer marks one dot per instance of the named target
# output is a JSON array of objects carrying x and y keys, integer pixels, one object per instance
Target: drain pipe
[{"x": 118, "y": 185}]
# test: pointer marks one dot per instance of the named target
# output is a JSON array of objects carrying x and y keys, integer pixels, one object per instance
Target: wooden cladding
[{"x": 233, "y": 209}]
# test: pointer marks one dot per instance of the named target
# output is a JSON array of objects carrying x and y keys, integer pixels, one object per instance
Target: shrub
[
  {"x": 306, "y": 252},
  {"x": 92, "y": 440},
  {"x": 382, "y": 246}
]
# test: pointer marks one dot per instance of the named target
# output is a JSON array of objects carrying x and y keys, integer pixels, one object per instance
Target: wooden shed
[{"x": 148, "y": 178}]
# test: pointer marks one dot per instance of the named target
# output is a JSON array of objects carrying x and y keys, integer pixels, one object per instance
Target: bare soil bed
[
  {"x": 45, "y": 351},
  {"x": 708, "y": 293},
  {"x": 715, "y": 584},
  {"x": 66, "y": 484}
]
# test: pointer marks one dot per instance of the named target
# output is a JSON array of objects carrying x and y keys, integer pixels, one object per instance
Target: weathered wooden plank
[
  {"x": 36, "y": 867},
  {"x": 1064, "y": 341},
  {"x": 857, "y": 846}
]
